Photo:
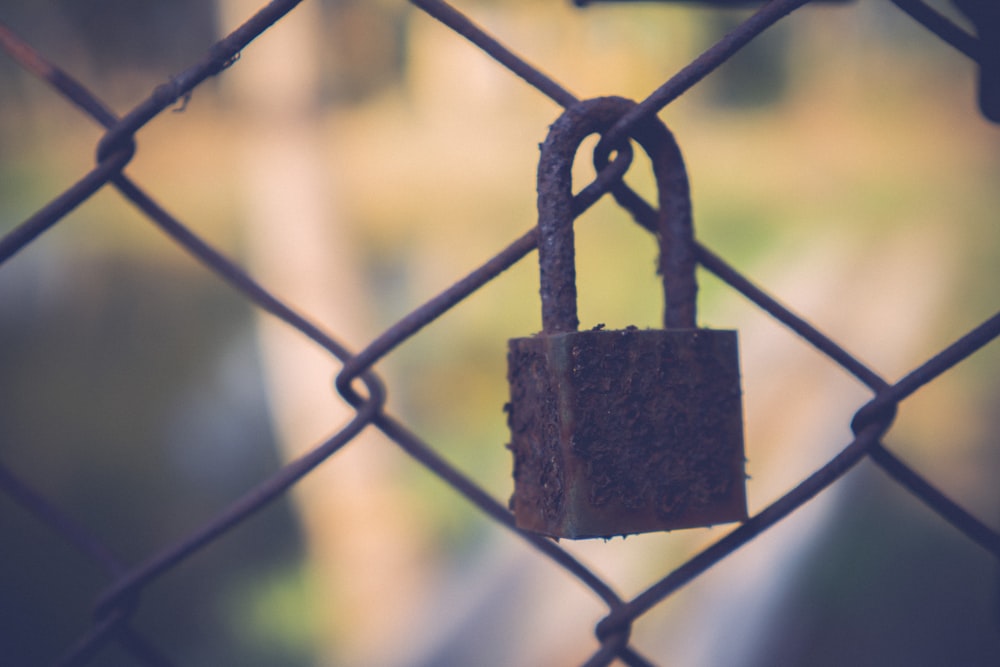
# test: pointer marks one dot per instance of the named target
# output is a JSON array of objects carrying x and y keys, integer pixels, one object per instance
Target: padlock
[{"x": 630, "y": 431}]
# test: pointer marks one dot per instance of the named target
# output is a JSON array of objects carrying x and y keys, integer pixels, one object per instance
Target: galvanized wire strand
[
  {"x": 633, "y": 658},
  {"x": 977, "y": 338},
  {"x": 941, "y": 26},
  {"x": 869, "y": 424},
  {"x": 612, "y": 646},
  {"x": 79, "y": 95},
  {"x": 115, "y": 628},
  {"x": 793, "y": 322},
  {"x": 462, "y": 25},
  {"x": 235, "y": 276},
  {"x": 59, "y": 522},
  {"x": 417, "y": 319},
  {"x": 465, "y": 27},
  {"x": 646, "y": 216},
  {"x": 35, "y": 63},
  {"x": 29, "y": 230},
  {"x": 699, "y": 68},
  {"x": 117, "y": 603},
  {"x": 751, "y": 528},
  {"x": 231, "y": 273},
  {"x": 948, "y": 509},
  {"x": 103, "y": 631},
  {"x": 414, "y": 446},
  {"x": 257, "y": 498},
  {"x": 222, "y": 54}
]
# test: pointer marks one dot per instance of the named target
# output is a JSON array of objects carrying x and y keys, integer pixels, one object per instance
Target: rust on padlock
[
  {"x": 621, "y": 432},
  {"x": 640, "y": 458}
]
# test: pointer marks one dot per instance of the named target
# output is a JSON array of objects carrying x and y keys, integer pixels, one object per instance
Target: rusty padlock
[{"x": 631, "y": 431}]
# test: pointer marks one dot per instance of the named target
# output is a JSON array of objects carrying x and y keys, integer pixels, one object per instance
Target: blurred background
[{"x": 358, "y": 159}]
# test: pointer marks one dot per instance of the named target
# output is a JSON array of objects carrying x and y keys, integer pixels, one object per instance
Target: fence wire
[{"x": 361, "y": 387}]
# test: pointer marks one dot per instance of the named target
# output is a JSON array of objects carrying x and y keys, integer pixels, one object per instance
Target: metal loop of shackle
[{"x": 555, "y": 214}]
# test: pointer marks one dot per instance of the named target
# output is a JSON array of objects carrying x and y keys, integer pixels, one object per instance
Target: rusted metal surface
[
  {"x": 556, "y": 254},
  {"x": 118, "y": 603},
  {"x": 621, "y": 432}
]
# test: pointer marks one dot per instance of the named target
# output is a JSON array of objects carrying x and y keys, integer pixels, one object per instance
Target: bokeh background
[{"x": 358, "y": 159}]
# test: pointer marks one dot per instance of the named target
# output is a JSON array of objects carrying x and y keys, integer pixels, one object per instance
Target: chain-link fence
[{"x": 119, "y": 603}]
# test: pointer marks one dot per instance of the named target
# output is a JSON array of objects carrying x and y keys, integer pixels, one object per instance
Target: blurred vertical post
[{"x": 358, "y": 540}]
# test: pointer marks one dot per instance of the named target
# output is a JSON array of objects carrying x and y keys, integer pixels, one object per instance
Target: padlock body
[{"x": 622, "y": 432}]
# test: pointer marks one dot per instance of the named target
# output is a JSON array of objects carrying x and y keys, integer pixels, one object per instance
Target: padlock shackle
[{"x": 556, "y": 252}]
